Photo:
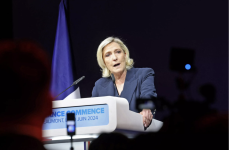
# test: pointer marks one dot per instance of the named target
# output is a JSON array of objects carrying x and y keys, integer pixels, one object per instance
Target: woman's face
[{"x": 114, "y": 58}]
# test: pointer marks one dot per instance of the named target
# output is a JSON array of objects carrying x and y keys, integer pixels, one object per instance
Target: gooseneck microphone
[
  {"x": 74, "y": 83},
  {"x": 113, "y": 79},
  {"x": 77, "y": 81}
]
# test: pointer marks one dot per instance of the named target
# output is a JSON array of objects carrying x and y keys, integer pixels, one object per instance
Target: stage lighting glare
[{"x": 187, "y": 66}]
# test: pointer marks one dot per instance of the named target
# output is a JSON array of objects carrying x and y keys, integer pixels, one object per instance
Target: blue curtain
[{"x": 62, "y": 66}]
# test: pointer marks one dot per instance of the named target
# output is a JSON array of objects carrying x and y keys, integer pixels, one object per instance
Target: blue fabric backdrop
[{"x": 62, "y": 65}]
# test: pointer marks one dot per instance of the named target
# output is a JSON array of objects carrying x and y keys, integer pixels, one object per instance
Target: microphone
[
  {"x": 113, "y": 79},
  {"x": 74, "y": 83},
  {"x": 77, "y": 81}
]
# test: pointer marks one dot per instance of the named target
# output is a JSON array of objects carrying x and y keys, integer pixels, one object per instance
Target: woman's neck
[{"x": 120, "y": 78}]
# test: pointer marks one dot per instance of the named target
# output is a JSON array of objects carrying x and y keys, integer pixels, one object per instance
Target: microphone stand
[
  {"x": 113, "y": 79},
  {"x": 72, "y": 148}
]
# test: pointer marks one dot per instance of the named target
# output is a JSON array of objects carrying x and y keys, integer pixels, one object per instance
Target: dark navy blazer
[{"x": 139, "y": 83}]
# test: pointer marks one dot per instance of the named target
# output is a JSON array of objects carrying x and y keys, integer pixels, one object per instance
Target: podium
[{"x": 94, "y": 116}]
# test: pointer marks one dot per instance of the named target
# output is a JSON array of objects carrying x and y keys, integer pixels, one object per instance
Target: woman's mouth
[{"x": 115, "y": 65}]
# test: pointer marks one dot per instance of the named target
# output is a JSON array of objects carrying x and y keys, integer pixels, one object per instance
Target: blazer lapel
[
  {"x": 130, "y": 85},
  {"x": 107, "y": 88}
]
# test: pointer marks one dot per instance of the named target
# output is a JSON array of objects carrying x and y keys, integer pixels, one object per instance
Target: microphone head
[
  {"x": 113, "y": 78},
  {"x": 82, "y": 78},
  {"x": 77, "y": 81}
]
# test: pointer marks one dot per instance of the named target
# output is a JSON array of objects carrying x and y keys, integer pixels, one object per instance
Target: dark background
[{"x": 150, "y": 28}]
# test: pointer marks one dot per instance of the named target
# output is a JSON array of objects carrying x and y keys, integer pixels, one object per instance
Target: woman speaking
[{"x": 121, "y": 79}]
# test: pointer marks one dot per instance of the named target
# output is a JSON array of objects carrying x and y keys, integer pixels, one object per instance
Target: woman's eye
[
  {"x": 107, "y": 55},
  {"x": 118, "y": 51}
]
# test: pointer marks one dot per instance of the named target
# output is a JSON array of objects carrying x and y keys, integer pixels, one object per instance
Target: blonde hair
[{"x": 105, "y": 71}]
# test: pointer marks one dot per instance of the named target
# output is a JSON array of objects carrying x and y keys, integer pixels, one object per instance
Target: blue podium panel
[{"x": 86, "y": 116}]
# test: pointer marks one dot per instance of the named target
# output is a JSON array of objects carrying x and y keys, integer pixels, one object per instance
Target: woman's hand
[{"x": 147, "y": 116}]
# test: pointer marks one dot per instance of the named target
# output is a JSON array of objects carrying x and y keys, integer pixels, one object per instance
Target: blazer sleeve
[
  {"x": 148, "y": 89},
  {"x": 95, "y": 90}
]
